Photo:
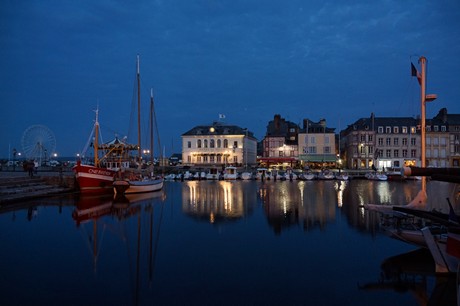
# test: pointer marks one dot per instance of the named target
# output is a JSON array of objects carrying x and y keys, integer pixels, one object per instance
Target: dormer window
[
  {"x": 396, "y": 129},
  {"x": 388, "y": 130},
  {"x": 380, "y": 130}
]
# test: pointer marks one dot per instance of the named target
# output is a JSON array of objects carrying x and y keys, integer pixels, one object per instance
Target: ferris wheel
[{"x": 38, "y": 142}]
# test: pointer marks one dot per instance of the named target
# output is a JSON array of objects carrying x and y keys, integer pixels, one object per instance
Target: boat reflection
[
  {"x": 414, "y": 272},
  {"x": 217, "y": 201}
]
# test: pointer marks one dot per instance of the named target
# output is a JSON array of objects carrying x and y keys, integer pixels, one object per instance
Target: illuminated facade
[
  {"x": 385, "y": 142},
  {"x": 317, "y": 144},
  {"x": 219, "y": 144},
  {"x": 443, "y": 140}
]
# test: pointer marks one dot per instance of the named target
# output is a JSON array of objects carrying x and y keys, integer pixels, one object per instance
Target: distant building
[
  {"x": 219, "y": 144},
  {"x": 317, "y": 144},
  {"x": 280, "y": 143},
  {"x": 383, "y": 142},
  {"x": 443, "y": 140}
]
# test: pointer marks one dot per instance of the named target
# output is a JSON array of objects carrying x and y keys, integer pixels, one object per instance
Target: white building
[{"x": 219, "y": 144}]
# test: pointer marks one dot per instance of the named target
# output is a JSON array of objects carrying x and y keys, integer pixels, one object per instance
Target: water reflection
[
  {"x": 305, "y": 204},
  {"x": 217, "y": 201},
  {"x": 414, "y": 272}
]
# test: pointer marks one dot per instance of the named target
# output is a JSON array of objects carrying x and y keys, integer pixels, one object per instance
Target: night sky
[{"x": 248, "y": 60}]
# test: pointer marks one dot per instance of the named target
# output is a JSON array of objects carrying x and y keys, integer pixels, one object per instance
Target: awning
[{"x": 318, "y": 158}]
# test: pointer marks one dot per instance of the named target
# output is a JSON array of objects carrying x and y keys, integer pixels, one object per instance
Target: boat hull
[
  {"x": 94, "y": 180},
  {"x": 130, "y": 187}
]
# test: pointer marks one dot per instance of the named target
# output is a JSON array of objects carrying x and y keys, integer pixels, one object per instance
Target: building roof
[
  {"x": 372, "y": 123},
  {"x": 218, "y": 128}
]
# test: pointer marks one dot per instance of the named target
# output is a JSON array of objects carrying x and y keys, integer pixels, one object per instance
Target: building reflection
[
  {"x": 217, "y": 201},
  {"x": 301, "y": 204},
  {"x": 360, "y": 192}
]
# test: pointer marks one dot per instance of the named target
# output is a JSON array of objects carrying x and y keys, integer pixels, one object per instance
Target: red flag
[{"x": 415, "y": 73}]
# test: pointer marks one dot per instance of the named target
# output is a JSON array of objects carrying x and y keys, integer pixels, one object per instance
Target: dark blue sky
[{"x": 338, "y": 60}]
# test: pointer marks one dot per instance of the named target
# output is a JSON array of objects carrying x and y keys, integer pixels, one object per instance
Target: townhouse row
[{"x": 380, "y": 142}]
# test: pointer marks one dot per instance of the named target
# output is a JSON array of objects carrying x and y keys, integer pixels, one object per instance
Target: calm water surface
[{"x": 218, "y": 243}]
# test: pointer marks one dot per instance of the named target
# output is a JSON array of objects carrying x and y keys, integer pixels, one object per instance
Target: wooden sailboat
[{"x": 137, "y": 182}]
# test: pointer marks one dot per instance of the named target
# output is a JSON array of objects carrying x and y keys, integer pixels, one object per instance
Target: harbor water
[{"x": 220, "y": 243}]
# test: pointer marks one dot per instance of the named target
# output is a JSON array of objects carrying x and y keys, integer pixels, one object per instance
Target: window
[
  {"x": 280, "y": 154},
  {"x": 428, "y": 140},
  {"x": 413, "y": 130},
  {"x": 212, "y": 159},
  {"x": 205, "y": 159},
  {"x": 292, "y": 153},
  {"x": 219, "y": 143},
  {"x": 428, "y": 128},
  {"x": 371, "y": 138},
  {"x": 436, "y": 128},
  {"x": 413, "y": 141},
  {"x": 198, "y": 143},
  {"x": 435, "y": 153},
  {"x": 292, "y": 130},
  {"x": 211, "y": 143},
  {"x": 235, "y": 144},
  {"x": 327, "y": 150},
  {"x": 370, "y": 149},
  {"x": 404, "y": 153},
  {"x": 189, "y": 144},
  {"x": 404, "y": 129},
  {"x": 362, "y": 149},
  {"x": 388, "y": 153},
  {"x": 396, "y": 153},
  {"x": 413, "y": 153},
  {"x": 443, "y": 128},
  {"x": 380, "y": 129},
  {"x": 380, "y": 141},
  {"x": 312, "y": 139},
  {"x": 363, "y": 138},
  {"x": 235, "y": 159},
  {"x": 388, "y": 141},
  {"x": 388, "y": 130},
  {"x": 435, "y": 141},
  {"x": 312, "y": 150},
  {"x": 205, "y": 142},
  {"x": 326, "y": 139},
  {"x": 305, "y": 150},
  {"x": 404, "y": 141},
  {"x": 306, "y": 139},
  {"x": 396, "y": 141},
  {"x": 396, "y": 129},
  {"x": 443, "y": 141}
]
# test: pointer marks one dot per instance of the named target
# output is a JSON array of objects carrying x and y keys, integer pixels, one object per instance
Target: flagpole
[{"x": 422, "y": 62}]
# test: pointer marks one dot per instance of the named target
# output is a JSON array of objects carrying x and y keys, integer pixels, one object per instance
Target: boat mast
[
  {"x": 151, "y": 126},
  {"x": 139, "y": 112},
  {"x": 96, "y": 141}
]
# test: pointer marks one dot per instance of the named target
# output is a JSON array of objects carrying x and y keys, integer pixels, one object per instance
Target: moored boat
[
  {"x": 230, "y": 173},
  {"x": 97, "y": 176}
]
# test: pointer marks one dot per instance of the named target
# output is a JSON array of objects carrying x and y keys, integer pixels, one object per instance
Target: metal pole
[{"x": 422, "y": 62}]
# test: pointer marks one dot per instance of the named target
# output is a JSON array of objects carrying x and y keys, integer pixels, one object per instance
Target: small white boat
[
  {"x": 230, "y": 173},
  {"x": 326, "y": 175},
  {"x": 246, "y": 175},
  {"x": 342, "y": 177},
  {"x": 263, "y": 174},
  {"x": 170, "y": 177},
  {"x": 213, "y": 173},
  {"x": 376, "y": 176}
]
